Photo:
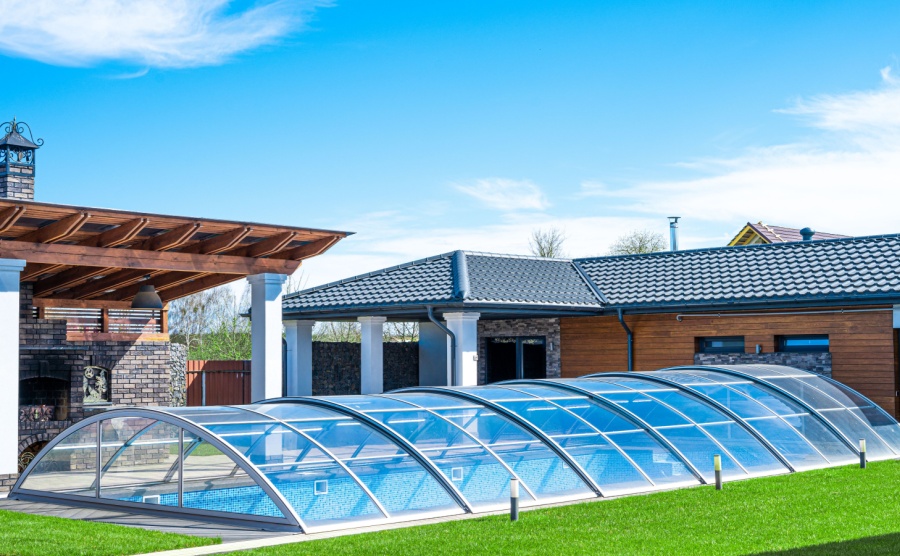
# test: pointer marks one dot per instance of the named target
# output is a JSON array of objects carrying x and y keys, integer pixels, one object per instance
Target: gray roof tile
[{"x": 838, "y": 269}]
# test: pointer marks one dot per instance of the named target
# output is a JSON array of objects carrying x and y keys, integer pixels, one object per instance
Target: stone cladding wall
[
  {"x": 177, "y": 375},
  {"x": 549, "y": 328},
  {"x": 819, "y": 363},
  {"x": 336, "y": 367}
]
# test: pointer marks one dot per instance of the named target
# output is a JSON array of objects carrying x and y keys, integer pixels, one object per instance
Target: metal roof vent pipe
[
  {"x": 807, "y": 234},
  {"x": 673, "y": 233}
]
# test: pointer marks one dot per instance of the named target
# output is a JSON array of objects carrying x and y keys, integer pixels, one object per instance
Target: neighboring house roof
[
  {"x": 753, "y": 234},
  {"x": 850, "y": 270},
  {"x": 853, "y": 269},
  {"x": 490, "y": 282}
]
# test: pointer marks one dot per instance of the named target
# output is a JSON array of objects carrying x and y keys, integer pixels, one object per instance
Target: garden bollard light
[
  {"x": 514, "y": 500},
  {"x": 862, "y": 453},
  {"x": 717, "y": 465}
]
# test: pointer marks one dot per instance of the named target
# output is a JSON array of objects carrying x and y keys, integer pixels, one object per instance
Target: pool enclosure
[{"x": 342, "y": 461}]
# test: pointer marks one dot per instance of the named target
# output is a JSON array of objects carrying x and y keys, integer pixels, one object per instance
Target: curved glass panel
[
  {"x": 810, "y": 445},
  {"x": 139, "y": 459},
  {"x": 341, "y": 461},
  {"x": 70, "y": 467},
  {"x": 544, "y": 473}
]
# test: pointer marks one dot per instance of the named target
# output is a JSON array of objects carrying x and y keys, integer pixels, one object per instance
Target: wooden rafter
[
  {"x": 198, "y": 285},
  {"x": 58, "y": 230},
  {"x": 308, "y": 250},
  {"x": 110, "y": 238},
  {"x": 9, "y": 216},
  {"x": 160, "y": 282},
  {"x": 265, "y": 246},
  {"x": 219, "y": 243},
  {"x": 54, "y": 253}
]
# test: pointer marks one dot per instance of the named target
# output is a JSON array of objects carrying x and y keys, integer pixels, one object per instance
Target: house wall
[
  {"x": 863, "y": 345},
  {"x": 550, "y": 328}
]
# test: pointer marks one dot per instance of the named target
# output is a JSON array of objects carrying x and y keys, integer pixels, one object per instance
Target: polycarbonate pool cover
[{"x": 343, "y": 461}]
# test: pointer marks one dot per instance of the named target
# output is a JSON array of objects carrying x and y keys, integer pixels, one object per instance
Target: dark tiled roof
[
  {"x": 842, "y": 269},
  {"x": 458, "y": 277},
  {"x": 425, "y": 281}
]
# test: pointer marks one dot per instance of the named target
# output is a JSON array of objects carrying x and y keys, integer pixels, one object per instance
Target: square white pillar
[
  {"x": 298, "y": 334},
  {"x": 465, "y": 327},
  {"x": 372, "y": 360},
  {"x": 9, "y": 364},
  {"x": 896, "y": 316},
  {"x": 265, "y": 335}
]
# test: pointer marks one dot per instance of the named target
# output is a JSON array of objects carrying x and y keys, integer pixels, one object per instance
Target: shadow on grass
[{"x": 869, "y": 546}]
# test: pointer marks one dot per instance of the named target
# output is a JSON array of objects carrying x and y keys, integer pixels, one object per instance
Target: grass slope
[
  {"x": 844, "y": 511},
  {"x": 37, "y": 535}
]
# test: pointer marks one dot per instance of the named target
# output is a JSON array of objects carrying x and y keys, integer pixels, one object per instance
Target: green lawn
[
  {"x": 36, "y": 535},
  {"x": 845, "y": 511}
]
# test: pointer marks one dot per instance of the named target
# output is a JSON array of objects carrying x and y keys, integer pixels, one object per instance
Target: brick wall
[
  {"x": 549, "y": 328},
  {"x": 139, "y": 371}
]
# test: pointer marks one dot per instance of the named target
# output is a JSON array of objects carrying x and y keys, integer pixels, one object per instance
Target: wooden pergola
[{"x": 79, "y": 257}]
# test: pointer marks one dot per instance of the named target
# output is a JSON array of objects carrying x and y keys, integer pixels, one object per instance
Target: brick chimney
[{"x": 17, "y": 161}]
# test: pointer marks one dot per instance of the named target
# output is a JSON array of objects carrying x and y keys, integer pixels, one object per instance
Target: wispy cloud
[
  {"x": 506, "y": 194},
  {"x": 150, "y": 33},
  {"x": 842, "y": 178}
]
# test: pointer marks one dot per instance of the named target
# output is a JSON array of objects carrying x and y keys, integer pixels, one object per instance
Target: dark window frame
[
  {"x": 781, "y": 345},
  {"x": 518, "y": 341},
  {"x": 703, "y": 347}
]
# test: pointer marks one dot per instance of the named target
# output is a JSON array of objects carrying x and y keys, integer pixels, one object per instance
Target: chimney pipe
[
  {"x": 673, "y": 233},
  {"x": 807, "y": 234}
]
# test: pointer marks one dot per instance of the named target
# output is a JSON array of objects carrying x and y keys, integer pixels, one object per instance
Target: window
[
  {"x": 803, "y": 342},
  {"x": 723, "y": 344},
  {"x": 516, "y": 357}
]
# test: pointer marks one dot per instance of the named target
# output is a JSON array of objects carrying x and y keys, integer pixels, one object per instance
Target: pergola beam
[
  {"x": 50, "y": 253},
  {"x": 110, "y": 238},
  {"x": 308, "y": 250},
  {"x": 198, "y": 285}
]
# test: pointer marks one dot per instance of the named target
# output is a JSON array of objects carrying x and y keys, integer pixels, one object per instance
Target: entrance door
[{"x": 511, "y": 358}]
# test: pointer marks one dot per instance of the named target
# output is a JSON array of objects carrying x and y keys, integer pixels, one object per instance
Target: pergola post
[
  {"x": 9, "y": 364},
  {"x": 465, "y": 327},
  {"x": 372, "y": 359},
  {"x": 265, "y": 332},
  {"x": 298, "y": 334}
]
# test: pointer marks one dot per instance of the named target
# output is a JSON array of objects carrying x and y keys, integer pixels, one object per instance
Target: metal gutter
[
  {"x": 621, "y": 314},
  {"x": 452, "y": 337}
]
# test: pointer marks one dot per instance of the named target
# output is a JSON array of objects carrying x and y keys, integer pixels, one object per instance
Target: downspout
[
  {"x": 630, "y": 341},
  {"x": 452, "y": 337}
]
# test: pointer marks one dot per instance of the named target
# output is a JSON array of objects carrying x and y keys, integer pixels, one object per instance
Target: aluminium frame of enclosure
[{"x": 291, "y": 519}]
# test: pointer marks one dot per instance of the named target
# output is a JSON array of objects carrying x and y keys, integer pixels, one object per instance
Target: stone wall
[
  {"x": 336, "y": 367},
  {"x": 178, "y": 375},
  {"x": 819, "y": 363},
  {"x": 549, "y": 328},
  {"x": 18, "y": 183}
]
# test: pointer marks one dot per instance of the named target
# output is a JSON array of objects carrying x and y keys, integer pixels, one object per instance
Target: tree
[
  {"x": 547, "y": 243},
  {"x": 194, "y": 316},
  {"x": 637, "y": 242}
]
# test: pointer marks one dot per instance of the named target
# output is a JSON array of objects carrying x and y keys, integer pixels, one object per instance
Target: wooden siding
[{"x": 863, "y": 345}]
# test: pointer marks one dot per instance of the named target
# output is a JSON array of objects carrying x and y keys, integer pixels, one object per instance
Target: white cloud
[
  {"x": 505, "y": 194},
  {"x": 152, "y": 33},
  {"x": 842, "y": 179}
]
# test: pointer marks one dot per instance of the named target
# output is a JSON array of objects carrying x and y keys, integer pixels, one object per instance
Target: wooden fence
[{"x": 218, "y": 382}]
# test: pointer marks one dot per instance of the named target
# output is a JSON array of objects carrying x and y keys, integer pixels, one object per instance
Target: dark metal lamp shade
[{"x": 147, "y": 298}]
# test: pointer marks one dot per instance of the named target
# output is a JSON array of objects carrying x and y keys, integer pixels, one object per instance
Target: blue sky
[{"x": 431, "y": 126}]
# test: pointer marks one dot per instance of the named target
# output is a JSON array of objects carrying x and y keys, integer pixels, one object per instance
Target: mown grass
[
  {"x": 846, "y": 511},
  {"x": 36, "y": 535}
]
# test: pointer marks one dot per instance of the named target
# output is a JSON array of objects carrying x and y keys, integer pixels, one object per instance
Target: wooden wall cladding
[{"x": 863, "y": 345}]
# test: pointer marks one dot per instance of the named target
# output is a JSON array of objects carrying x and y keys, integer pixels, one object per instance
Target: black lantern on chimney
[{"x": 17, "y": 152}]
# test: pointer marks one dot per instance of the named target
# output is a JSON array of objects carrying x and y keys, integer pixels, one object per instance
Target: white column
[
  {"x": 465, "y": 327},
  {"x": 9, "y": 364},
  {"x": 298, "y": 334},
  {"x": 372, "y": 361},
  {"x": 265, "y": 335},
  {"x": 896, "y": 316}
]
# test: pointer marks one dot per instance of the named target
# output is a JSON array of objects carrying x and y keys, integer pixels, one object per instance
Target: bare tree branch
[
  {"x": 637, "y": 242},
  {"x": 547, "y": 243}
]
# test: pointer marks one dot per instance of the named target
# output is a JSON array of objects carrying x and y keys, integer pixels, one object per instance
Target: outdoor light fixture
[{"x": 147, "y": 298}]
